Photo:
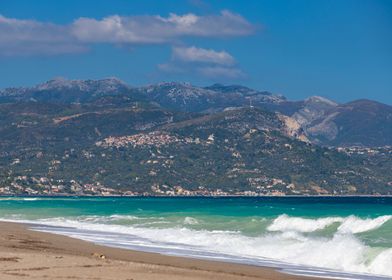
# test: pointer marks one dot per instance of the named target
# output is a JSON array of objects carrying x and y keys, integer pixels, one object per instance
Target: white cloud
[
  {"x": 193, "y": 54},
  {"x": 157, "y": 29},
  {"x": 116, "y": 29},
  {"x": 25, "y": 37},
  {"x": 30, "y": 31},
  {"x": 185, "y": 21},
  {"x": 205, "y": 62},
  {"x": 20, "y": 36}
]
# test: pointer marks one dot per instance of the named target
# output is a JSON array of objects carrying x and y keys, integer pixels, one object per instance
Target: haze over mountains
[{"x": 325, "y": 122}]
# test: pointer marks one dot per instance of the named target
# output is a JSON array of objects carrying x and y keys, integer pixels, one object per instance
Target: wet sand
[{"x": 26, "y": 254}]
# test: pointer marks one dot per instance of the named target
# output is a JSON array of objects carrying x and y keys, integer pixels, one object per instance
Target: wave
[
  {"x": 351, "y": 224},
  {"x": 343, "y": 252},
  {"x": 105, "y": 219},
  {"x": 286, "y": 223},
  {"x": 190, "y": 221},
  {"x": 21, "y": 198},
  {"x": 286, "y": 240}
]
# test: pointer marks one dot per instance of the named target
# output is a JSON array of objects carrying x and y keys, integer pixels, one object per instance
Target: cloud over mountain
[
  {"x": 157, "y": 29},
  {"x": 205, "y": 62},
  {"x": 29, "y": 37},
  {"x": 193, "y": 54}
]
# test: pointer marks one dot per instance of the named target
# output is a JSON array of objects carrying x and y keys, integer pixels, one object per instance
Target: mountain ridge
[{"x": 325, "y": 122}]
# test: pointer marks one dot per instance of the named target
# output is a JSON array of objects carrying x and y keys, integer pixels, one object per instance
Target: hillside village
[{"x": 104, "y": 137}]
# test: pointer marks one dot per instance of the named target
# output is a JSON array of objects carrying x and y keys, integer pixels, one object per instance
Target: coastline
[
  {"x": 65, "y": 195},
  {"x": 28, "y": 254}
]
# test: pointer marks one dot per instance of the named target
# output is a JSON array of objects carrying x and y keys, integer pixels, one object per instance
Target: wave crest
[
  {"x": 190, "y": 221},
  {"x": 286, "y": 223},
  {"x": 351, "y": 224}
]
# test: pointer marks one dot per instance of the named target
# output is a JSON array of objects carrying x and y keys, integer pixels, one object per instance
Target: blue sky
[{"x": 338, "y": 49}]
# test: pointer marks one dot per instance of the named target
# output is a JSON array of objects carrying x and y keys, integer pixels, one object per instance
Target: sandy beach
[{"x": 26, "y": 254}]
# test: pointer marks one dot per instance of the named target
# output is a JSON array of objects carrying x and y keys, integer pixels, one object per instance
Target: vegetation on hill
[{"x": 129, "y": 147}]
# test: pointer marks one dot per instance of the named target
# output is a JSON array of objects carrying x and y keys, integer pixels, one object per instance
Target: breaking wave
[
  {"x": 355, "y": 225},
  {"x": 288, "y": 240},
  {"x": 190, "y": 221},
  {"x": 286, "y": 223},
  {"x": 351, "y": 224}
]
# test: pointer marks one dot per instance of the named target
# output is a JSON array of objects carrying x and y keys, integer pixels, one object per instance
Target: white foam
[
  {"x": 20, "y": 198},
  {"x": 351, "y": 224},
  {"x": 286, "y": 223},
  {"x": 122, "y": 217},
  {"x": 383, "y": 263},
  {"x": 190, "y": 221},
  {"x": 285, "y": 242},
  {"x": 354, "y": 224}
]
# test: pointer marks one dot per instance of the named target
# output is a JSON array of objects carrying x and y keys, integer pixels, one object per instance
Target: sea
[{"x": 334, "y": 237}]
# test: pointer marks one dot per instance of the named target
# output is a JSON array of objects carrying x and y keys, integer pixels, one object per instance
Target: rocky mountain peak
[
  {"x": 61, "y": 83},
  {"x": 320, "y": 100},
  {"x": 314, "y": 108}
]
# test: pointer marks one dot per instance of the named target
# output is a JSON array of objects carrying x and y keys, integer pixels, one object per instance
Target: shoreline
[
  {"x": 197, "y": 196},
  {"x": 27, "y": 253}
]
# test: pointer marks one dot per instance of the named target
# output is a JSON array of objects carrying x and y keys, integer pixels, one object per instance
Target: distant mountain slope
[
  {"x": 363, "y": 122},
  {"x": 175, "y": 96},
  {"x": 185, "y": 97},
  {"x": 36, "y": 125},
  {"x": 68, "y": 91},
  {"x": 138, "y": 148},
  {"x": 358, "y": 123}
]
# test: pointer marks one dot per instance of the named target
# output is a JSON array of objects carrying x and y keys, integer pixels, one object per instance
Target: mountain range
[
  {"x": 106, "y": 137},
  {"x": 325, "y": 122}
]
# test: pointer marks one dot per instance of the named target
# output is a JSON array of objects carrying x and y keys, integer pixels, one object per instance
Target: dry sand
[{"x": 26, "y": 254}]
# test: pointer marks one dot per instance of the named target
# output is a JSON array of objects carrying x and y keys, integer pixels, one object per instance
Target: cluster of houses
[
  {"x": 24, "y": 185},
  {"x": 369, "y": 151},
  {"x": 142, "y": 139},
  {"x": 156, "y": 138}
]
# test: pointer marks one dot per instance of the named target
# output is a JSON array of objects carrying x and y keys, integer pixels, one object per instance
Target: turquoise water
[{"x": 325, "y": 236}]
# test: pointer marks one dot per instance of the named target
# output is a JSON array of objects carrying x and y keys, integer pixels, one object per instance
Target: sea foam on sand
[{"x": 288, "y": 242}]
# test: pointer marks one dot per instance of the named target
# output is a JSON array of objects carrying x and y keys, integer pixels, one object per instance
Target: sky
[{"x": 339, "y": 49}]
